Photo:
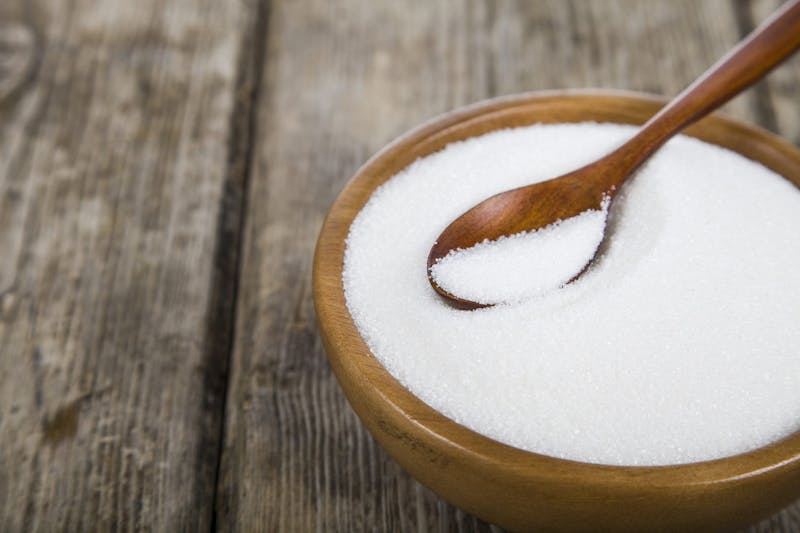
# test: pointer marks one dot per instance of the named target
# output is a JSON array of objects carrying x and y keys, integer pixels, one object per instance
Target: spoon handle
[{"x": 769, "y": 44}]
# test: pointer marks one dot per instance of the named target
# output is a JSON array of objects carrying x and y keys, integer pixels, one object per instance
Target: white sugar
[
  {"x": 680, "y": 344},
  {"x": 524, "y": 265}
]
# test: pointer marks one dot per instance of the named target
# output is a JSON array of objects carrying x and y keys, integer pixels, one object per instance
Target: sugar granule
[{"x": 678, "y": 345}]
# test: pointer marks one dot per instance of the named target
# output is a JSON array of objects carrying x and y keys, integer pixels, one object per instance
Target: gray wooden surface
[{"x": 164, "y": 170}]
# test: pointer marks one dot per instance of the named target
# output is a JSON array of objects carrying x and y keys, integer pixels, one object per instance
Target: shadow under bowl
[{"x": 510, "y": 487}]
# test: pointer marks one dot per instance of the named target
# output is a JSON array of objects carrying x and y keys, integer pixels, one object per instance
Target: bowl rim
[{"x": 365, "y": 380}]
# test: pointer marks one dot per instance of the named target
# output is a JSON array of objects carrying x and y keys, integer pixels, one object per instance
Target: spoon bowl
[{"x": 519, "y": 210}]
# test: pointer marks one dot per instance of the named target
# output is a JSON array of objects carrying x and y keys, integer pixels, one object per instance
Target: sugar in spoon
[{"x": 536, "y": 206}]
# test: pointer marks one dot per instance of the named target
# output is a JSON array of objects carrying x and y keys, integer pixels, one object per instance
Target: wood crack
[{"x": 230, "y": 228}]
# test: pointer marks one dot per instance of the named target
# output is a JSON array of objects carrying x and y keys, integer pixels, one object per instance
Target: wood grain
[
  {"x": 340, "y": 80},
  {"x": 777, "y": 108},
  {"x": 115, "y": 127}
]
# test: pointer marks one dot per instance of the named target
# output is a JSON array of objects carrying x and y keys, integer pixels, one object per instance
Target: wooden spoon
[{"x": 536, "y": 206}]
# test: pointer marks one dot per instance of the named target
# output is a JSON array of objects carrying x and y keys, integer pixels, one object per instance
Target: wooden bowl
[{"x": 513, "y": 488}]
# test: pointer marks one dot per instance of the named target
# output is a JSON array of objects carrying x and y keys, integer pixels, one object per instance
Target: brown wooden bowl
[{"x": 513, "y": 488}]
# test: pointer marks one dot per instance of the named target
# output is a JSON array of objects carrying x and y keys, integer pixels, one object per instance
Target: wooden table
[{"x": 164, "y": 170}]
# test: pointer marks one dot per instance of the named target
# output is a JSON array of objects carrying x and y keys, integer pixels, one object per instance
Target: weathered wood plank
[
  {"x": 115, "y": 126},
  {"x": 780, "y": 89},
  {"x": 341, "y": 79}
]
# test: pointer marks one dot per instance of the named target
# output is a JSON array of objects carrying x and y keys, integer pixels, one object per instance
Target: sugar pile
[
  {"x": 518, "y": 267},
  {"x": 679, "y": 345}
]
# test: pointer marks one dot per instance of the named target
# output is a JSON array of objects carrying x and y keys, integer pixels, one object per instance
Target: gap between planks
[{"x": 221, "y": 325}]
